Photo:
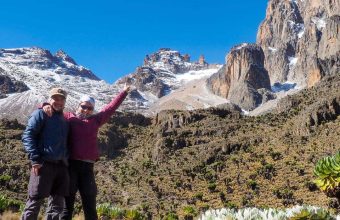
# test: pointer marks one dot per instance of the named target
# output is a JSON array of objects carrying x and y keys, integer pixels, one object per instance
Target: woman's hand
[
  {"x": 48, "y": 110},
  {"x": 127, "y": 88}
]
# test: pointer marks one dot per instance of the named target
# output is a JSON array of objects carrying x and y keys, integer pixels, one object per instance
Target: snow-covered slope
[{"x": 41, "y": 71}]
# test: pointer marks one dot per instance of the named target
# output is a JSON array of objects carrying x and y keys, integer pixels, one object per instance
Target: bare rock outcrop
[
  {"x": 329, "y": 47},
  {"x": 300, "y": 40},
  {"x": 146, "y": 79},
  {"x": 242, "y": 77},
  {"x": 9, "y": 85}
]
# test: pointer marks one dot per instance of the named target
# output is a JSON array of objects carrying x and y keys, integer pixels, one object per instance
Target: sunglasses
[{"x": 85, "y": 107}]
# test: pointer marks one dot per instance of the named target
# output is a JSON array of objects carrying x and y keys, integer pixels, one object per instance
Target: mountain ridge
[{"x": 39, "y": 70}]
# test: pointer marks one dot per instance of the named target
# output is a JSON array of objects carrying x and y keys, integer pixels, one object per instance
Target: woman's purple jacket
[{"x": 83, "y": 132}]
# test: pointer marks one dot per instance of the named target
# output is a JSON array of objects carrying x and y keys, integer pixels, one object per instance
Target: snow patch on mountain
[
  {"x": 319, "y": 22},
  {"x": 280, "y": 90},
  {"x": 292, "y": 61},
  {"x": 241, "y": 46},
  {"x": 298, "y": 28},
  {"x": 301, "y": 32},
  {"x": 272, "y": 49},
  {"x": 191, "y": 94},
  {"x": 194, "y": 75}
]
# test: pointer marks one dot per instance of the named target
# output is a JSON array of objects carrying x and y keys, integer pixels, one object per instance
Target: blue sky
[{"x": 112, "y": 37}]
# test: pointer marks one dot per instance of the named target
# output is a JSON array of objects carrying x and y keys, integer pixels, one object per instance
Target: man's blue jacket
[{"x": 45, "y": 138}]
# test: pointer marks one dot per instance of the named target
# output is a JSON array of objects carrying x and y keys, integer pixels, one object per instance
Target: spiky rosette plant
[
  {"x": 293, "y": 213},
  {"x": 327, "y": 171},
  {"x": 312, "y": 215}
]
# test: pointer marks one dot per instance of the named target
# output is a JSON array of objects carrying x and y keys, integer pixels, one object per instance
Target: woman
[{"x": 83, "y": 150}]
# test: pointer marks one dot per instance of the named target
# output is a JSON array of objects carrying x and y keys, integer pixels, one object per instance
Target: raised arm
[{"x": 105, "y": 114}]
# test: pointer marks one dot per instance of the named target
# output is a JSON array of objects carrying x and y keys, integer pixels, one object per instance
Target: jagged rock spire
[{"x": 62, "y": 55}]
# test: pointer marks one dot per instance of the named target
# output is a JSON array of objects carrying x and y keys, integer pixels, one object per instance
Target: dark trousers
[
  {"x": 53, "y": 212},
  {"x": 82, "y": 179},
  {"x": 53, "y": 182}
]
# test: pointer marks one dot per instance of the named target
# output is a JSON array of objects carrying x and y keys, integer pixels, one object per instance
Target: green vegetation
[
  {"x": 306, "y": 214},
  {"x": 230, "y": 205},
  {"x": 133, "y": 215},
  {"x": 252, "y": 184},
  {"x": 113, "y": 212},
  {"x": 171, "y": 216},
  {"x": 327, "y": 171},
  {"x": 212, "y": 187},
  {"x": 5, "y": 178},
  {"x": 198, "y": 196},
  {"x": 189, "y": 212},
  {"x": 10, "y": 204}
]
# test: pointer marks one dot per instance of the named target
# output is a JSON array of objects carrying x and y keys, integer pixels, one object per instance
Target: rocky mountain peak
[
  {"x": 162, "y": 72},
  {"x": 65, "y": 57},
  {"x": 173, "y": 61},
  {"x": 26, "y": 54},
  {"x": 201, "y": 60},
  {"x": 38, "y": 58},
  {"x": 252, "y": 54}
]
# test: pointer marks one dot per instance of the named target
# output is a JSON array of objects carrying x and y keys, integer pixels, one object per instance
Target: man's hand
[
  {"x": 48, "y": 110},
  {"x": 35, "y": 169}
]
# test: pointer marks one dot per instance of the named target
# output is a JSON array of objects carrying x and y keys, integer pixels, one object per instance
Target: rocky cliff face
[
  {"x": 300, "y": 43},
  {"x": 243, "y": 80},
  {"x": 329, "y": 47},
  {"x": 301, "y": 40}
]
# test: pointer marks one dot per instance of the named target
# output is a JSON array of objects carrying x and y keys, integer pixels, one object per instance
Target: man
[{"x": 45, "y": 140}]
